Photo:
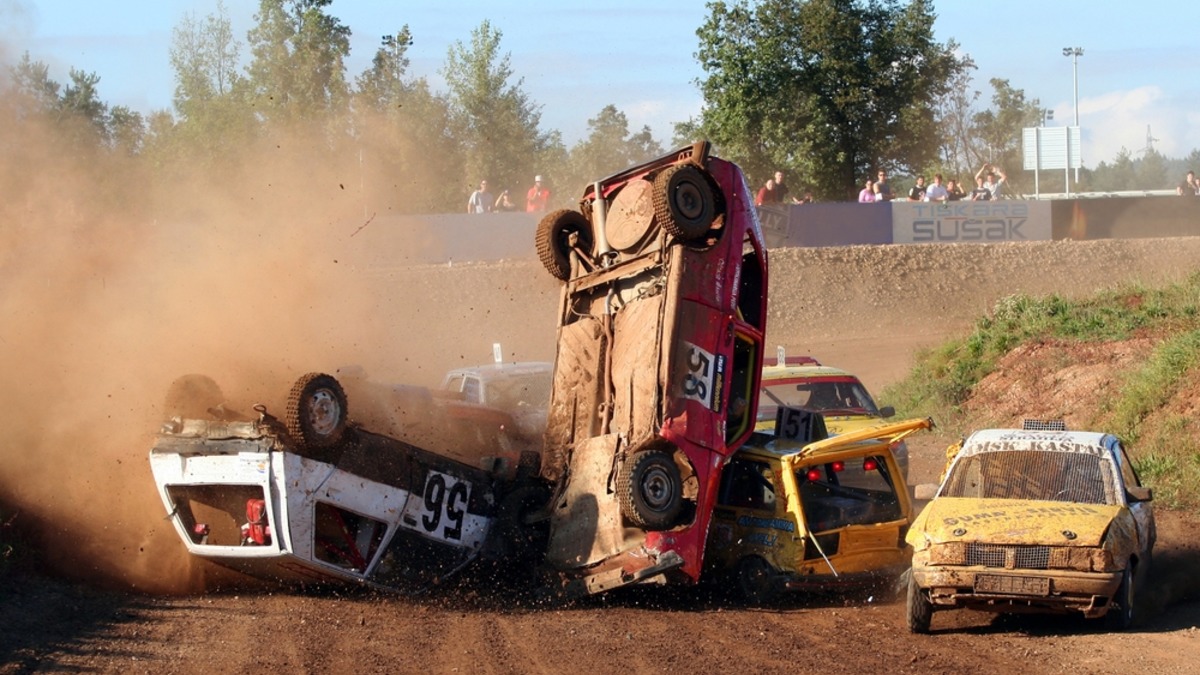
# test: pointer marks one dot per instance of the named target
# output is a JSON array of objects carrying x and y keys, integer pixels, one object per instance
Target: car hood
[
  {"x": 1012, "y": 521},
  {"x": 841, "y": 424}
]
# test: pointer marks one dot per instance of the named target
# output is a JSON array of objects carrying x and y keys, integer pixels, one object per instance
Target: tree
[
  {"x": 297, "y": 71},
  {"x": 204, "y": 56},
  {"x": 494, "y": 122},
  {"x": 609, "y": 147},
  {"x": 998, "y": 131},
  {"x": 824, "y": 89}
]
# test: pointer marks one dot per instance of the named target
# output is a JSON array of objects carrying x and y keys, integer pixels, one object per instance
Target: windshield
[
  {"x": 1033, "y": 474},
  {"x": 823, "y": 396}
]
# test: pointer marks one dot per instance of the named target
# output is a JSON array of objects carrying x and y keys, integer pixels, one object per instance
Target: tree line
[{"x": 825, "y": 90}]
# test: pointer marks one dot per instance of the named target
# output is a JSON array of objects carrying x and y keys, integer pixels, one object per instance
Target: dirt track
[{"x": 864, "y": 308}]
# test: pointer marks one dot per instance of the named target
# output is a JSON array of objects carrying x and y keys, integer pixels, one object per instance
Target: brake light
[
  {"x": 839, "y": 466},
  {"x": 869, "y": 464},
  {"x": 814, "y": 474}
]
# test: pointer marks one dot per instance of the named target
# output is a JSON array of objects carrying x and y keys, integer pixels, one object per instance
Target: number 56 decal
[
  {"x": 702, "y": 375},
  {"x": 440, "y": 511}
]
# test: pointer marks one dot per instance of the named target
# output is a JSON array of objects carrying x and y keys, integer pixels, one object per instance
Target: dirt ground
[{"x": 867, "y": 309}]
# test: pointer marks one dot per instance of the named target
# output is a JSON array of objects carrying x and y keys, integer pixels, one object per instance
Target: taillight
[
  {"x": 814, "y": 474},
  {"x": 839, "y": 466},
  {"x": 869, "y": 464}
]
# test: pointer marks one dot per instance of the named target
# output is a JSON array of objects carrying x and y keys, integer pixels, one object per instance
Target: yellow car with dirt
[
  {"x": 1033, "y": 520},
  {"x": 793, "y": 514}
]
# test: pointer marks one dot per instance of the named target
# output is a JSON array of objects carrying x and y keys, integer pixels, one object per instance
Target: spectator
[
  {"x": 504, "y": 203},
  {"x": 1189, "y": 187},
  {"x": 867, "y": 194},
  {"x": 781, "y": 190},
  {"x": 808, "y": 198},
  {"x": 883, "y": 191},
  {"x": 993, "y": 186},
  {"x": 767, "y": 194},
  {"x": 481, "y": 201},
  {"x": 538, "y": 196},
  {"x": 937, "y": 192},
  {"x": 980, "y": 193},
  {"x": 917, "y": 193},
  {"x": 953, "y": 192}
]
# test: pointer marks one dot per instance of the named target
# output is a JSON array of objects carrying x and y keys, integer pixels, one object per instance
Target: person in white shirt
[
  {"x": 993, "y": 186},
  {"x": 937, "y": 192}
]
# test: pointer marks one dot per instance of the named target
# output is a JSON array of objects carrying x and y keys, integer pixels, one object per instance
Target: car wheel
[
  {"x": 554, "y": 240},
  {"x": 756, "y": 580},
  {"x": 684, "y": 202},
  {"x": 525, "y": 541},
  {"x": 650, "y": 490},
  {"x": 316, "y": 411},
  {"x": 1120, "y": 616},
  {"x": 920, "y": 609}
]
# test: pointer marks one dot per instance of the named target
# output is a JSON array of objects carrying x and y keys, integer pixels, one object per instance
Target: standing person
[
  {"x": 767, "y": 194},
  {"x": 954, "y": 193},
  {"x": 481, "y": 201},
  {"x": 867, "y": 194},
  {"x": 504, "y": 203},
  {"x": 991, "y": 183},
  {"x": 883, "y": 190},
  {"x": 917, "y": 193},
  {"x": 1188, "y": 188},
  {"x": 781, "y": 190},
  {"x": 937, "y": 192},
  {"x": 980, "y": 193},
  {"x": 538, "y": 196}
]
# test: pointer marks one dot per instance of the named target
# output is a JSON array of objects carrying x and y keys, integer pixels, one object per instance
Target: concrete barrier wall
[{"x": 408, "y": 240}]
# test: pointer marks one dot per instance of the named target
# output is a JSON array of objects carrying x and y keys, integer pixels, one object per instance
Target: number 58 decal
[{"x": 701, "y": 375}]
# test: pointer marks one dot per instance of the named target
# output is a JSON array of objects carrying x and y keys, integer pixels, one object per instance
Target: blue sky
[{"x": 1140, "y": 65}]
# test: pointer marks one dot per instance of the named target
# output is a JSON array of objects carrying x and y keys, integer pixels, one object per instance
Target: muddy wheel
[
  {"x": 554, "y": 240},
  {"x": 650, "y": 490},
  {"x": 685, "y": 202},
  {"x": 192, "y": 397},
  {"x": 756, "y": 580},
  {"x": 1121, "y": 616},
  {"x": 920, "y": 609},
  {"x": 316, "y": 411}
]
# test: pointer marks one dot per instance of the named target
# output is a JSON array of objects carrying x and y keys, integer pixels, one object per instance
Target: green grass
[{"x": 942, "y": 379}]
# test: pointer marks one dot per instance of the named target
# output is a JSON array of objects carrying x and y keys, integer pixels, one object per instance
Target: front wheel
[
  {"x": 650, "y": 490},
  {"x": 1121, "y": 616},
  {"x": 685, "y": 203},
  {"x": 559, "y": 233},
  {"x": 316, "y": 411},
  {"x": 920, "y": 609},
  {"x": 756, "y": 580}
]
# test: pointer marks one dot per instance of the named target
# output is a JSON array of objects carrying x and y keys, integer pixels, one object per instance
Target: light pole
[{"x": 1074, "y": 53}]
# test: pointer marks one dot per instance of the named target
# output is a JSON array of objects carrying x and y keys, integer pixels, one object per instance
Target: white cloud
[{"x": 1119, "y": 119}]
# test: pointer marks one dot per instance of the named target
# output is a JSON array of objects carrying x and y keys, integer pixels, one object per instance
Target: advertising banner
[{"x": 990, "y": 221}]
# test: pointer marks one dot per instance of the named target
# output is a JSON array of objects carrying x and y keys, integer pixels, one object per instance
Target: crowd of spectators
[{"x": 989, "y": 182}]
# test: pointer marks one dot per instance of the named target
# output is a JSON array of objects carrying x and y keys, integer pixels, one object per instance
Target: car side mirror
[
  {"x": 887, "y": 411},
  {"x": 1139, "y": 494}
]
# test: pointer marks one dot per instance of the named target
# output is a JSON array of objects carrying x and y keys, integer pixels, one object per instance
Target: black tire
[
  {"x": 756, "y": 581},
  {"x": 554, "y": 240},
  {"x": 1121, "y": 615},
  {"x": 316, "y": 412},
  {"x": 524, "y": 542},
  {"x": 685, "y": 201},
  {"x": 920, "y": 609},
  {"x": 650, "y": 490},
  {"x": 192, "y": 397}
]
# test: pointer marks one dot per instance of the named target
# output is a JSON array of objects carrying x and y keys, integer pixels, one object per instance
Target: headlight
[
  {"x": 1082, "y": 558},
  {"x": 950, "y": 553}
]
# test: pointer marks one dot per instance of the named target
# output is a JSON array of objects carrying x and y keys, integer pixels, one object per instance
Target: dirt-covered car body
[
  {"x": 325, "y": 500},
  {"x": 794, "y": 515},
  {"x": 520, "y": 389},
  {"x": 1033, "y": 520},
  {"x": 656, "y": 374},
  {"x": 838, "y": 395}
]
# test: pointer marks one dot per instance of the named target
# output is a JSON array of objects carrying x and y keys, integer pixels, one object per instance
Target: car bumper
[{"x": 1003, "y": 590}]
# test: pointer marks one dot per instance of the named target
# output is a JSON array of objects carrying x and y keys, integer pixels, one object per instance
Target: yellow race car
[
  {"x": 793, "y": 514},
  {"x": 1037, "y": 519}
]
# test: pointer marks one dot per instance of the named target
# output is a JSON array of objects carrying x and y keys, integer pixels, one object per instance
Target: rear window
[
  {"x": 1032, "y": 474},
  {"x": 821, "y": 396},
  {"x": 837, "y": 495}
]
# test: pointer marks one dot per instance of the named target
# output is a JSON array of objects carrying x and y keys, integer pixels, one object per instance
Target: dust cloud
[{"x": 115, "y": 281}]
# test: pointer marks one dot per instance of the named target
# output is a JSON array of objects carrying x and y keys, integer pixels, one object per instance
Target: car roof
[
  {"x": 787, "y": 372},
  {"x": 494, "y": 370},
  {"x": 1000, "y": 440}
]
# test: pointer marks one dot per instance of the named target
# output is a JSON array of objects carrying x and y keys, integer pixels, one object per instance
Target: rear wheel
[
  {"x": 920, "y": 609},
  {"x": 756, "y": 580},
  {"x": 554, "y": 240},
  {"x": 650, "y": 490},
  {"x": 685, "y": 202},
  {"x": 316, "y": 411}
]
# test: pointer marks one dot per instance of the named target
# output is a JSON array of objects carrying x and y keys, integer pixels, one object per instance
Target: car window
[
  {"x": 1033, "y": 474},
  {"x": 747, "y": 484},
  {"x": 838, "y": 495},
  {"x": 510, "y": 393},
  {"x": 816, "y": 396},
  {"x": 472, "y": 391}
]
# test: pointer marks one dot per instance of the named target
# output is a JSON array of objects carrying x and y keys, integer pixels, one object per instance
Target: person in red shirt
[{"x": 537, "y": 197}]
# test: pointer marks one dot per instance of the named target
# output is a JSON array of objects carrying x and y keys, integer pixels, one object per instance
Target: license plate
[{"x": 991, "y": 583}]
